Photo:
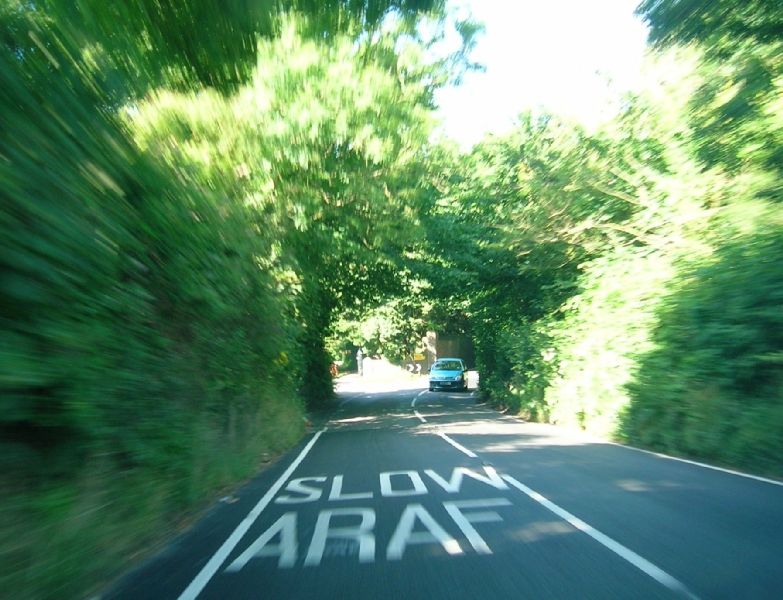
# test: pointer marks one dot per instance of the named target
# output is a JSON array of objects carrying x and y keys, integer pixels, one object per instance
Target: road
[{"x": 413, "y": 494}]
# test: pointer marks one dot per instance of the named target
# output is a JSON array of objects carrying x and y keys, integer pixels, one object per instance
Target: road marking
[
  {"x": 458, "y": 446},
  {"x": 453, "y": 485},
  {"x": 418, "y": 487},
  {"x": 627, "y": 554},
  {"x": 464, "y": 520},
  {"x": 666, "y": 456},
  {"x": 699, "y": 464},
  {"x": 404, "y": 535},
  {"x": 361, "y": 533},
  {"x": 345, "y": 540},
  {"x": 336, "y": 492},
  {"x": 303, "y": 490},
  {"x": 413, "y": 406},
  {"x": 209, "y": 570},
  {"x": 311, "y": 494},
  {"x": 285, "y": 526}
]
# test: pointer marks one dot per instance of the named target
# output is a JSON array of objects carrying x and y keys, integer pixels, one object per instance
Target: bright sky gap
[{"x": 569, "y": 57}]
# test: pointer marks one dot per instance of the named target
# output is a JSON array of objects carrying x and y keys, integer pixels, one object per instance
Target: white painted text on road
[
  {"x": 391, "y": 484},
  {"x": 356, "y": 526}
]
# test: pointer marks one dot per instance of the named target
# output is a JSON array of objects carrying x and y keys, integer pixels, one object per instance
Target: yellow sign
[{"x": 418, "y": 356}]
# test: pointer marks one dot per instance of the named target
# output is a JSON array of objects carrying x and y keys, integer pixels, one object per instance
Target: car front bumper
[{"x": 447, "y": 385}]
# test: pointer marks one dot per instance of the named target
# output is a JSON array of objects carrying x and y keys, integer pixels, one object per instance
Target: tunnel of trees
[{"x": 195, "y": 226}]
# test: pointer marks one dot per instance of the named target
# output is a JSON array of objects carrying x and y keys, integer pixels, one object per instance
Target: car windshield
[{"x": 448, "y": 365}]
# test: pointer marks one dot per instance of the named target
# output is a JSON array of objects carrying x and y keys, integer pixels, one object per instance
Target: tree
[
  {"x": 193, "y": 43},
  {"x": 719, "y": 24}
]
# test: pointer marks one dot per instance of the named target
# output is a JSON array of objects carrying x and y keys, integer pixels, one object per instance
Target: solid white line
[
  {"x": 669, "y": 457},
  {"x": 699, "y": 464},
  {"x": 209, "y": 570},
  {"x": 418, "y": 414},
  {"x": 459, "y": 447},
  {"x": 413, "y": 402},
  {"x": 627, "y": 554}
]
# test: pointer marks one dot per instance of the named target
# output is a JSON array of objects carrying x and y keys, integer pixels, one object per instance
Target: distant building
[{"x": 449, "y": 345}]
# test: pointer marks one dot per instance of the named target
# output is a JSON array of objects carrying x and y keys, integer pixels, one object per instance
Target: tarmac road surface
[{"x": 408, "y": 494}]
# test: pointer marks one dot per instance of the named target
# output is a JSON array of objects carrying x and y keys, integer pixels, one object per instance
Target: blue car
[{"x": 449, "y": 374}]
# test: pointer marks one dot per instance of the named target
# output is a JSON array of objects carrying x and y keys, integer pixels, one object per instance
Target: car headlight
[{"x": 457, "y": 378}]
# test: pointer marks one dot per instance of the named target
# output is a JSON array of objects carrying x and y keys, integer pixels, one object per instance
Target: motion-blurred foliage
[
  {"x": 711, "y": 384},
  {"x": 181, "y": 216},
  {"x": 626, "y": 280}
]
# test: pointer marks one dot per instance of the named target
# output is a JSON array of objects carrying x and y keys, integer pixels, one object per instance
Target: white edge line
[
  {"x": 458, "y": 446},
  {"x": 627, "y": 554},
  {"x": 209, "y": 570},
  {"x": 697, "y": 464}
]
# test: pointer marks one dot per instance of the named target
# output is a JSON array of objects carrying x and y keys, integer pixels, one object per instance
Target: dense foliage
[
  {"x": 182, "y": 216},
  {"x": 624, "y": 280},
  {"x": 711, "y": 385}
]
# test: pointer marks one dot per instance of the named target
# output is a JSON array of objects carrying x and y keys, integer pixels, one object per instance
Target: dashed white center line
[
  {"x": 413, "y": 406},
  {"x": 623, "y": 552},
  {"x": 457, "y": 445}
]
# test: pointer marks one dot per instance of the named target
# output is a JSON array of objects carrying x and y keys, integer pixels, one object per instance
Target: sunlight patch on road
[
  {"x": 533, "y": 442},
  {"x": 539, "y": 530},
  {"x": 524, "y": 434},
  {"x": 635, "y": 485},
  {"x": 357, "y": 419}
]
